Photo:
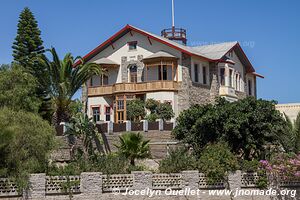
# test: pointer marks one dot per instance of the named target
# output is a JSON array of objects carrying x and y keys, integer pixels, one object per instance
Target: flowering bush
[{"x": 283, "y": 165}]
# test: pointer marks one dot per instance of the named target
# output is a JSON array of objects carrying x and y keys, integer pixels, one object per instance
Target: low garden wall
[
  {"x": 110, "y": 127},
  {"x": 95, "y": 185}
]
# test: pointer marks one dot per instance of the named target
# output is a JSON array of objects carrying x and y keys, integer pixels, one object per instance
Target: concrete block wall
[{"x": 91, "y": 187}]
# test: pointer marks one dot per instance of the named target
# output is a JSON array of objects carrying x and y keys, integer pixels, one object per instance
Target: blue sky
[{"x": 268, "y": 30}]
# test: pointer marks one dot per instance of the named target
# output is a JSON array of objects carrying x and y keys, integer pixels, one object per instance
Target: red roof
[{"x": 167, "y": 42}]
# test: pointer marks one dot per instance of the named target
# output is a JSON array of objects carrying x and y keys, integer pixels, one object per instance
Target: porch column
[
  {"x": 161, "y": 71},
  {"x": 125, "y": 109},
  {"x": 173, "y": 72},
  {"x": 146, "y": 72},
  {"x": 226, "y": 75},
  {"x": 176, "y": 72}
]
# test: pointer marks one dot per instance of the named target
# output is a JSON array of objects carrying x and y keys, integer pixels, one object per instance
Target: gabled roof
[
  {"x": 212, "y": 53},
  {"x": 215, "y": 51},
  {"x": 160, "y": 54}
]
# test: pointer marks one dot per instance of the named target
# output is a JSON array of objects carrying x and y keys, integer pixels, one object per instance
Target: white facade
[
  {"x": 120, "y": 49},
  {"x": 235, "y": 80}
]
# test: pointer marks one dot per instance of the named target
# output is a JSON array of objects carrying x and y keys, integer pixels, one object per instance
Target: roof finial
[{"x": 173, "y": 18}]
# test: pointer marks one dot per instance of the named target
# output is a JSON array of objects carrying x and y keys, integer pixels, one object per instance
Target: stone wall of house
[
  {"x": 183, "y": 93},
  {"x": 126, "y": 63},
  {"x": 187, "y": 185},
  {"x": 194, "y": 93},
  {"x": 214, "y": 83},
  {"x": 240, "y": 95},
  {"x": 199, "y": 93}
]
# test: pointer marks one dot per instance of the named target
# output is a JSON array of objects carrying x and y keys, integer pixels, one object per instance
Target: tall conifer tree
[
  {"x": 26, "y": 47},
  {"x": 28, "y": 43}
]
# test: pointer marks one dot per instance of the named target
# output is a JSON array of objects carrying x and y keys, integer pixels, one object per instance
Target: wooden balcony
[{"x": 133, "y": 88}]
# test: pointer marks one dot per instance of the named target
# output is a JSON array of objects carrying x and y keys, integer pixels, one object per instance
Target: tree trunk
[
  {"x": 60, "y": 116},
  {"x": 132, "y": 161}
]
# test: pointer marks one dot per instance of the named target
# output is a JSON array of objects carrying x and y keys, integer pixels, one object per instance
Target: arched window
[{"x": 133, "y": 73}]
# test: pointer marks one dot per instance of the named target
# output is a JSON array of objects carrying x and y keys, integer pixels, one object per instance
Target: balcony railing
[{"x": 133, "y": 87}]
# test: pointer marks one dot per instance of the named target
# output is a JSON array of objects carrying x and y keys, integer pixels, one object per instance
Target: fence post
[
  {"x": 37, "y": 187},
  {"x": 128, "y": 125},
  {"x": 235, "y": 180},
  {"x": 110, "y": 127},
  {"x": 190, "y": 179},
  {"x": 91, "y": 184},
  {"x": 64, "y": 124},
  {"x": 160, "y": 124},
  {"x": 174, "y": 122},
  {"x": 145, "y": 125},
  {"x": 142, "y": 180}
]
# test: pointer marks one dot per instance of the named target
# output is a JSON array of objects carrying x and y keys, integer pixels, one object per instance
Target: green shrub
[
  {"x": 165, "y": 111},
  {"x": 26, "y": 141},
  {"x": 262, "y": 182},
  {"x": 178, "y": 160},
  {"x": 112, "y": 164},
  {"x": 152, "y": 117},
  {"x": 18, "y": 90},
  {"x": 107, "y": 164},
  {"x": 135, "y": 109},
  {"x": 151, "y": 105},
  {"x": 216, "y": 160},
  {"x": 249, "y": 166}
]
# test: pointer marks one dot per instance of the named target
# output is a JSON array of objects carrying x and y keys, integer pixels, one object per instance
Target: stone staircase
[{"x": 160, "y": 142}]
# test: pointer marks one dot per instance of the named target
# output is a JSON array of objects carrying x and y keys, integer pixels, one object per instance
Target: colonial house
[{"x": 143, "y": 65}]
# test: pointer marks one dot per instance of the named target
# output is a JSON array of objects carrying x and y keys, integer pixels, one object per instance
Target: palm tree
[
  {"x": 65, "y": 80},
  {"x": 291, "y": 140},
  {"x": 133, "y": 146}
]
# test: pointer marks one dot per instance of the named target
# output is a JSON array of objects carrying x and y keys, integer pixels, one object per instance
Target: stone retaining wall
[{"x": 94, "y": 185}]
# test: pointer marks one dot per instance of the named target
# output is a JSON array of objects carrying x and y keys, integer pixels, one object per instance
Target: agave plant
[
  {"x": 65, "y": 80},
  {"x": 84, "y": 129},
  {"x": 133, "y": 146}
]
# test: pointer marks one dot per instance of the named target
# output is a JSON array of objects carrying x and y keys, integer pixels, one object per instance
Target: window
[
  {"x": 120, "y": 117},
  {"x": 196, "y": 73},
  {"x": 230, "y": 54},
  {"x": 230, "y": 77},
  {"x": 204, "y": 75},
  {"x": 133, "y": 73},
  {"x": 99, "y": 80},
  {"x": 120, "y": 104},
  {"x": 132, "y": 45},
  {"x": 249, "y": 87},
  {"x": 107, "y": 113},
  {"x": 95, "y": 81},
  {"x": 164, "y": 72},
  {"x": 222, "y": 76},
  {"x": 237, "y": 81},
  {"x": 104, "y": 79},
  {"x": 96, "y": 114}
]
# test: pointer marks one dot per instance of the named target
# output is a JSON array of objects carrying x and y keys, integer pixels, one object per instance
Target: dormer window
[{"x": 132, "y": 45}]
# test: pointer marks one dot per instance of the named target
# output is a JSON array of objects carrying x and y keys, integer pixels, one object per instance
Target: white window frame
[
  {"x": 230, "y": 83},
  {"x": 252, "y": 86},
  {"x": 219, "y": 69},
  {"x": 206, "y": 75},
  {"x": 194, "y": 74}
]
